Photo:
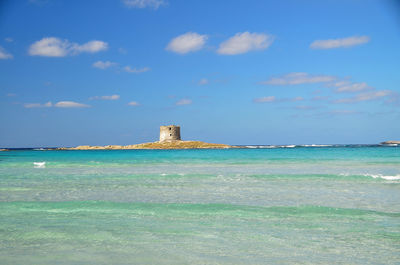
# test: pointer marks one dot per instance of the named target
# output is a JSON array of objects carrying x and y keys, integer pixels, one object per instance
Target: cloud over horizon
[
  {"x": 184, "y": 101},
  {"x": 60, "y": 104},
  {"x": 298, "y": 78},
  {"x": 136, "y": 70},
  {"x": 339, "y": 43},
  {"x": 245, "y": 42},
  {"x": 347, "y": 86},
  {"x": 112, "y": 97},
  {"x": 38, "y": 105},
  {"x": 188, "y": 42},
  {"x": 4, "y": 55},
  {"x": 103, "y": 64},
  {"x": 264, "y": 99},
  {"x": 70, "y": 104},
  {"x": 155, "y": 4},
  {"x": 56, "y": 47},
  {"x": 134, "y": 103},
  {"x": 366, "y": 96},
  {"x": 270, "y": 99},
  {"x": 203, "y": 81}
]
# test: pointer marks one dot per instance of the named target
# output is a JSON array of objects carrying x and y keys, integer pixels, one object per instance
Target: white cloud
[
  {"x": 103, "y": 65},
  {"x": 60, "y": 104},
  {"x": 373, "y": 95},
  {"x": 112, "y": 97},
  {"x": 365, "y": 96},
  {"x": 90, "y": 47},
  {"x": 187, "y": 42},
  {"x": 52, "y": 47},
  {"x": 136, "y": 70},
  {"x": 33, "y": 105},
  {"x": 4, "y": 54},
  {"x": 274, "y": 99},
  {"x": 298, "y": 78},
  {"x": 203, "y": 81},
  {"x": 340, "y": 43},
  {"x": 245, "y": 42},
  {"x": 133, "y": 103},
  {"x": 11, "y": 95},
  {"x": 184, "y": 101},
  {"x": 351, "y": 87},
  {"x": 144, "y": 3},
  {"x": 55, "y": 47},
  {"x": 70, "y": 104},
  {"x": 38, "y": 105},
  {"x": 264, "y": 99},
  {"x": 9, "y": 39}
]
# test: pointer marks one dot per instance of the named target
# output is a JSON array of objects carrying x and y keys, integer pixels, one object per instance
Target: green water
[{"x": 331, "y": 205}]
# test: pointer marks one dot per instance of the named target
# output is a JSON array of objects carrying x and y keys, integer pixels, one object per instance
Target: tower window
[
  {"x": 170, "y": 134},
  {"x": 170, "y": 128}
]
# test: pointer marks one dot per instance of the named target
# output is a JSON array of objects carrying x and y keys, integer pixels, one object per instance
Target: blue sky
[{"x": 234, "y": 72}]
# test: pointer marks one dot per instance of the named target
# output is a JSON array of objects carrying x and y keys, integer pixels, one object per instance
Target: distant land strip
[{"x": 154, "y": 145}]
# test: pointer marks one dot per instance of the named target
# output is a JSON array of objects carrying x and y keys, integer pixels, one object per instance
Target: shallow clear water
[{"x": 309, "y": 205}]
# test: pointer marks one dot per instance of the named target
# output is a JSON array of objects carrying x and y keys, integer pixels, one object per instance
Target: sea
[{"x": 310, "y": 204}]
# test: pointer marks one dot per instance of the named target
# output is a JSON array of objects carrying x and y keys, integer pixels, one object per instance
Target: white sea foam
[
  {"x": 315, "y": 145},
  {"x": 288, "y": 146},
  {"x": 269, "y": 146},
  {"x": 375, "y": 176},
  {"x": 39, "y": 164},
  {"x": 261, "y": 146},
  {"x": 396, "y": 177}
]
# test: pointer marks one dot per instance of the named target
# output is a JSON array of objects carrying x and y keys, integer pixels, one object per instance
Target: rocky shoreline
[{"x": 154, "y": 145}]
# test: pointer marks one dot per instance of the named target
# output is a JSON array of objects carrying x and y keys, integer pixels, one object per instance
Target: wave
[
  {"x": 191, "y": 209},
  {"x": 261, "y": 146},
  {"x": 315, "y": 145},
  {"x": 39, "y": 164},
  {"x": 321, "y": 145},
  {"x": 332, "y": 177},
  {"x": 269, "y": 146},
  {"x": 375, "y": 176},
  {"x": 396, "y": 177},
  {"x": 289, "y": 146}
]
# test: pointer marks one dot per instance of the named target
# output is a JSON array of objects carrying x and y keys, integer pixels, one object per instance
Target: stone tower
[{"x": 170, "y": 133}]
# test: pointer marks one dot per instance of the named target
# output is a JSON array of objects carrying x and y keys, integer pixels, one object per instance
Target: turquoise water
[{"x": 303, "y": 205}]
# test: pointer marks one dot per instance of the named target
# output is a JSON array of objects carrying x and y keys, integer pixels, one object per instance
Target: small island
[
  {"x": 391, "y": 143},
  {"x": 170, "y": 138}
]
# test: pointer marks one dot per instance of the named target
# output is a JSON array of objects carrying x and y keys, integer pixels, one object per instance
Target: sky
[{"x": 233, "y": 72}]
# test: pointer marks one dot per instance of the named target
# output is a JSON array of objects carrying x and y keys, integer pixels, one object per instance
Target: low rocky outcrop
[{"x": 154, "y": 145}]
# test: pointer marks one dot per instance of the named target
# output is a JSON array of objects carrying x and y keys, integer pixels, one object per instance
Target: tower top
[{"x": 170, "y": 133}]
